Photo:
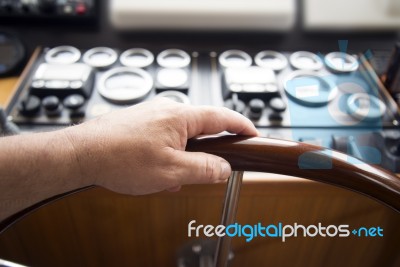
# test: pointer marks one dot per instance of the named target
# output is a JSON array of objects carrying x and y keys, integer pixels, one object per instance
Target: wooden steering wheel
[{"x": 287, "y": 158}]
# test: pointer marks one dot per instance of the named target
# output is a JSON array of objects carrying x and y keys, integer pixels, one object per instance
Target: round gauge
[
  {"x": 341, "y": 62},
  {"x": 137, "y": 57},
  {"x": 125, "y": 85},
  {"x": 308, "y": 88},
  {"x": 173, "y": 58},
  {"x": 235, "y": 59},
  {"x": 271, "y": 60},
  {"x": 12, "y": 53},
  {"x": 63, "y": 55},
  {"x": 176, "y": 96},
  {"x": 172, "y": 78},
  {"x": 365, "y": 106},
  {"x": 304, "y": 60},
  {"x": 100, "y": 57}
]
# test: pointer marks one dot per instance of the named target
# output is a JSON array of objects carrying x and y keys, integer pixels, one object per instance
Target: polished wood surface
[
  {"x": 101, "y": 228},
  {"x": 303, "y": 160}
]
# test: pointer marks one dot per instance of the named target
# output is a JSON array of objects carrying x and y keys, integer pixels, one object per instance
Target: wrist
[{"x": 75, "y": 150}]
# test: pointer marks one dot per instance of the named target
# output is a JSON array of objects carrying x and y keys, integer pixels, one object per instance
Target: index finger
[{"x": 213, "y": 120}]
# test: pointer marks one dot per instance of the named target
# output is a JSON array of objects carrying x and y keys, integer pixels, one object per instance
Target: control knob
[
  {"x": 256, "y": 107},
  {"x": 30, "y": 106}
]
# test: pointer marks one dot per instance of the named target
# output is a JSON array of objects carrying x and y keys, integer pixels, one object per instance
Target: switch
[
  {"x": 277, "y": 104},
  {"x": 30, "y": 106},
  {"x": 51, "y": 105},
  {"x": 256, "y": 107},
  {"x": 74, "y": 101}
]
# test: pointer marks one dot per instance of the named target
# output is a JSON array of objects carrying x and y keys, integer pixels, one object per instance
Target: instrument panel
[{"x": 333, "y": 100}]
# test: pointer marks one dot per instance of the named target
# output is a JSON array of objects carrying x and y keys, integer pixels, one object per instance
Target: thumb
[{"x": 201, "y": 168}]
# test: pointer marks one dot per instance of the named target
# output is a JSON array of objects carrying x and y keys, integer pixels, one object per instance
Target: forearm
[
  {"x": 137, "y": 150},
  {"x": 35, "y": 167}
]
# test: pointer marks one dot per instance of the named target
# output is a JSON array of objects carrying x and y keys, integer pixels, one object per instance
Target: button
[
  {"x": 172, "y": 78},
  {"x": 271, "y": 88},
  {"x": 38, "y": 84},
  {"x": 68, "y": 9},
  {"x": 256, "y": 107},
  {"x": 30, "y": 106},
  {"x": 277, "y": 104},
  {"x": 56, "y": 84},
  {"x": 238, "y": 105},
  {"x": 74, "y": 101},
  {"x": 253, "y": 88},
  {"x": 275, "y": 117},
  {"x": 395, "y": 150},
  {"x": 235, "y": 87},
  {"x": 51, "y": 103},
  {"x": 81, "y": 9},
  {"x": 76, "y": 84}
]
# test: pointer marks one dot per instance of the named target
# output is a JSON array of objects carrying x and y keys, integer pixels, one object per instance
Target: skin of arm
[{"x": 137, "y": 150}]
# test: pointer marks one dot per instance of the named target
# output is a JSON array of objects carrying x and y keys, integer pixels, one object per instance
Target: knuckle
[{"x": 210, "y": 170}]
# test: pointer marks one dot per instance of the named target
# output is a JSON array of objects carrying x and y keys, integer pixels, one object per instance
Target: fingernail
[{"x": 225, "y": 170}]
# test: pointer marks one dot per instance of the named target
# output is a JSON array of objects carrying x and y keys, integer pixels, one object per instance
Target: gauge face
[
  {"x": 137, "y": 57},
  {"x": 308, "y": 88},
  {"x": 173, "y": 58},
  {"x": 341, "y": 62},
  {"x": 172, "y": 78},
  {"x": 12, "y": 53},
  {"x": 100, "y": 57},
  {"x": 271, "y": 59},
  {"x": 365, "y": 106},
  {"x": 175, "y": 96},
  {"x": 304, "y": 60},
  {"x": 125, "y": 85},
  {"x": 63, "y": 55},
  {"x": 235, "y": 59}
]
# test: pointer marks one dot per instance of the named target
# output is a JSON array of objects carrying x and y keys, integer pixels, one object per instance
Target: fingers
[
  {"x": 200, "y": 168},
  {"x": 212, "y": 120}
]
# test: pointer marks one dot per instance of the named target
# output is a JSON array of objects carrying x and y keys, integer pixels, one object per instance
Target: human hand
[{"x": 141, "y": 149}]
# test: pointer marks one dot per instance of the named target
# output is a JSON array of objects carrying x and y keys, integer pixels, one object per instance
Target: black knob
[
  {"x": 30, "y": 106},
  {"x": 277, "y": 104},
  {"x": 395, "y": 150},
  {"x": 237, "y": 105},
  {"x": 47, "y": 6},
  {"x": 6, "y": 6},
  {"x": 74, "y": 101},
  {"x": 256, "y": 107},
  {"x": 51, "y": 103}
]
